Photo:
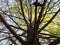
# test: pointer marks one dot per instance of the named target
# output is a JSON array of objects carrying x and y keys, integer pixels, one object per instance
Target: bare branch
[
  {"x": 11, "y": 30},
  {"x": 50, "y": 35},
  {"x": 23, "y": 12},
  {"x": 55, "y": 42},
  {"x": 18, "y": 28},
  {"x": 41, "y": 12},
  {"x": 12, "y": 19},
  {"x": 49, "y": 21}
]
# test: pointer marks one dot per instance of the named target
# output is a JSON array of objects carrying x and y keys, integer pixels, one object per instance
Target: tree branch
[
  {"x": 11, "y": 30},
  {"x": 49, "y": 21},
  {"x": 55, "y": 42},
  {"x": 41, "y": 12},
  {"x": 23, "y": 12},
  {"x": 18, "y": 28},
  {"x": 10, "y": 16}
]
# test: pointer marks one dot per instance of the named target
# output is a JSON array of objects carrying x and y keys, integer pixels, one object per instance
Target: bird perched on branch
[{"x": 37, "y": 4}]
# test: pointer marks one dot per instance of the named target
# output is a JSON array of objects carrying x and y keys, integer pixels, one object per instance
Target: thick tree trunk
[
  {"x": 32, "y": 38},
  {"x": 35, "y": 42}
]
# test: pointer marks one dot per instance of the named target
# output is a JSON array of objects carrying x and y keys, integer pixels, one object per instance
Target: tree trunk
[
  {"x": 35, "y": 42},
  {"x": 32, "y": 38}
]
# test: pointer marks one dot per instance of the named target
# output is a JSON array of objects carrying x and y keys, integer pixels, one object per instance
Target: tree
[{"x": 32, "y": 20}]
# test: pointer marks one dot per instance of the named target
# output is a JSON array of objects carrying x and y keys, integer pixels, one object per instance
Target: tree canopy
[{"x": 30, "y": 22}]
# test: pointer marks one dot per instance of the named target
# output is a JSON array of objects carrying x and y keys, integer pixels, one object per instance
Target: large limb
[
  {"x": 41, "y": 13},
  {"x": 49, "y": 21},
  {"x": 23, "y": 14},
  {"x": 11, "y": 30}
]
